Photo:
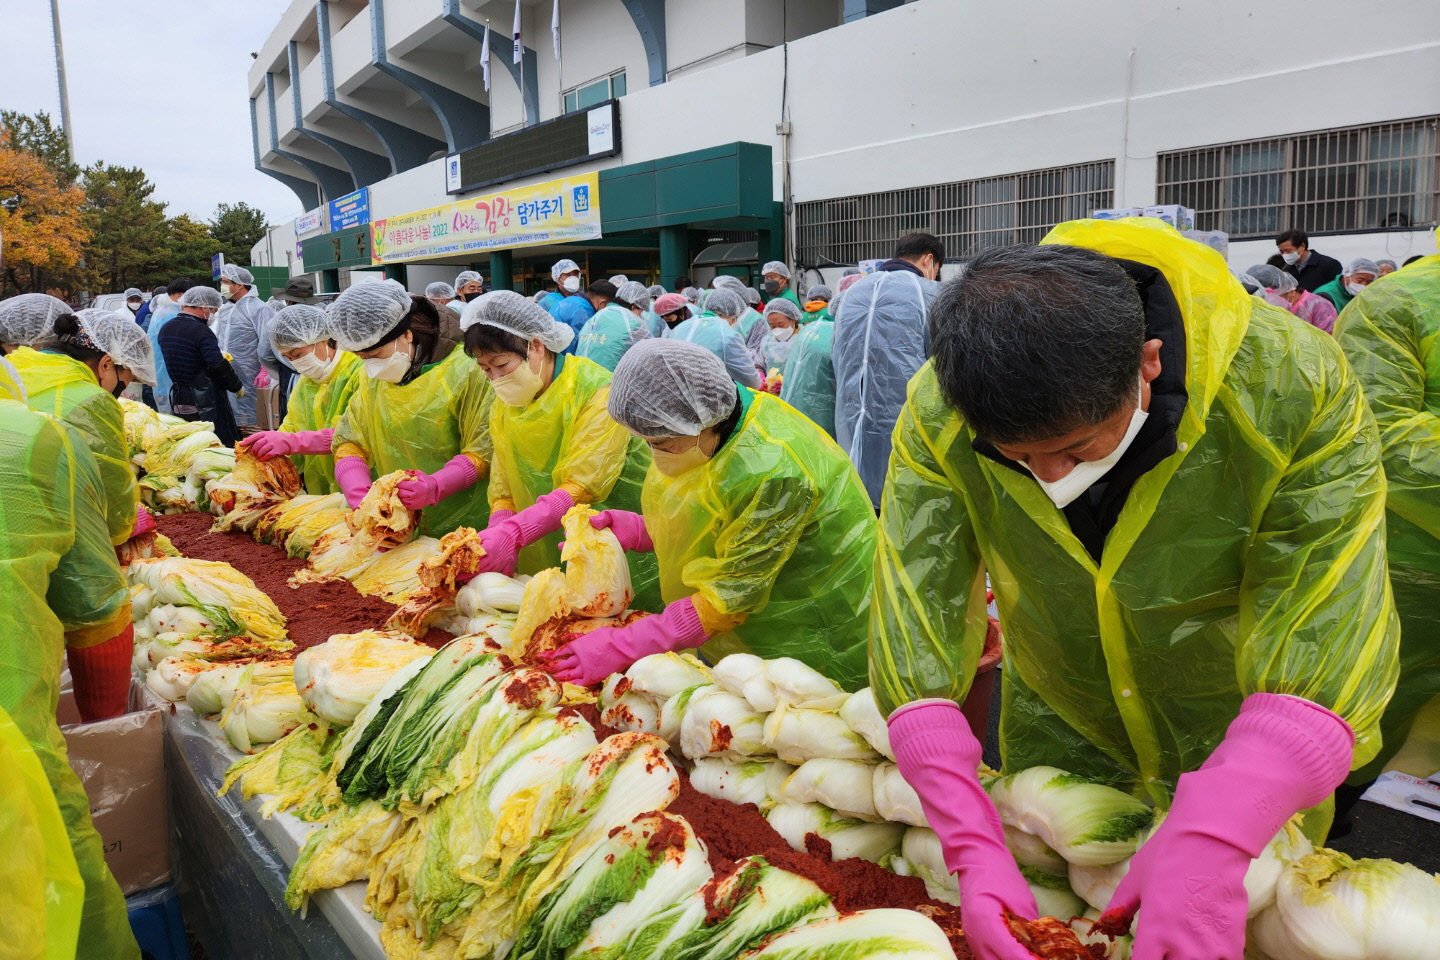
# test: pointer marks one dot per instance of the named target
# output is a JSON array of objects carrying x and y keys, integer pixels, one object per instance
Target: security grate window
[
  {"x": 1380, "y": 177},
  {"x": 967, "y": 215}
]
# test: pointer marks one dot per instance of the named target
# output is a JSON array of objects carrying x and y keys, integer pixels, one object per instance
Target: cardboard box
[
  {"x": 1181, "y": 218},
  {"x": 121, "y": 764},
  {"x": 1117, "y": 213},
  {"x": 1217, "y": 240}
]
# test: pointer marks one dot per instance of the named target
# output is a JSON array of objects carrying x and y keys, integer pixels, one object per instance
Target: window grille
[
  {"x": 1379, "y": 177},
  {"x": 967, "y": 215}
]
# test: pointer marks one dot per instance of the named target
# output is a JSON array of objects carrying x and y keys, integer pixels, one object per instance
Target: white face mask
[
  {"x": 1354, "y": 288},
  {"x": 782, "y": 333},
  {"x": 1290, "y": 258},
  {"x": 571, "y": 284},
  {"x": 313, "y": 367},
  {"x": 134, "y": 306},
  {"x": 391, "y": 369},
  {"x": 1087, "y": 473}
]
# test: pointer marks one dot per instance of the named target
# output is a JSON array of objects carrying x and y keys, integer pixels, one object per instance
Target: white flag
[
  {"x": 555, "y": 28},
  {"x": 519, "y": 47},
  {"x": 485, "y": 58}
]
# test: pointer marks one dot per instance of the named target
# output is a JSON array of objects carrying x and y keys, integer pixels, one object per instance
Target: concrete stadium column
[
  {"x": 502, "y": 267},
  {"x": 674, "y": 254}
]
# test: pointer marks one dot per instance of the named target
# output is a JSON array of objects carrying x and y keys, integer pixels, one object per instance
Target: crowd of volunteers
[{"x": 1205, "y": 502}]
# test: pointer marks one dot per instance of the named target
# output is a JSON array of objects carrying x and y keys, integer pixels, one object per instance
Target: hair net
[
  {"x": 440, "y": 289},
  {"x": 619, "y": 279},
  {"x": 1361, "y": 265},
  {"x": 518, "y": 316},
  {"x": 850, "y": 272},
  {"x": 669, "y": 303},
  {"x": 133, "y": 293},
  {"x": 1386, "y": 263},
  {"x": 467, "y": 276},
  {"x": 820, "y": 292},
  {"x": 1272, "y": 277},
  {"x": 27, "y": 319},
  {"x": 725, "y": 302},
  {"x": 752, "y": 296},
  {"x": 775, "y": 266},
  {"x": 207, "y": 297},
  {"x": 298, "y": 325},
  {"x": 670, "y": 388},
  {"x": 1250, "y": 284},
  {"x": 691, "y": 293},
  {"x": 848, "y": 281},
  {"x": 634, "y": 293},
  {"x": 237, "y": 274},
  {"x": 785, "y": 308},
  {"x": 561, "y": 268},
  {"x": 365, "y": 312},
  {"x": 655, "y": 290},
  {"x": 727, "y": 282},
  {"x": 118, "y": 335}
]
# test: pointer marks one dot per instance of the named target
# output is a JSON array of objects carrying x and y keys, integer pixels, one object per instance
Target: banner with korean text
[{"x": 556, "y": 211}]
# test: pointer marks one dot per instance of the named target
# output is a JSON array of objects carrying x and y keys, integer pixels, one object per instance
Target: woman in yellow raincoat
[
  {"x": 1176, "y": 492},
  {"x": 329, "y": 376},
  {"x": 63, "y": 589},
  {"x": 762, "y": 531},
  {"x": 80, "y": 367},
  {"x": 432, "y": 419},
  {"x": 1391, "y": 334},
  {"x": 555, "y": 442}
]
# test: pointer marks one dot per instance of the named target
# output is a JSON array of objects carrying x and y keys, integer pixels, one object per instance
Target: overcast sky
[{"x": 158, "y": 84}]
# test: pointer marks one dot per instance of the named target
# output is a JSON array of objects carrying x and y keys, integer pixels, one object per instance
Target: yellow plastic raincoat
[
  {"x": 565, "y": 439},
  {"x": 774, "y": 538},
  {"x": 319, "y": 406},
  {"x": 67, "y": 389},
  {"x": 1250, "y": 560},
  {"x": 1391, "y": 335},
  {"x": 62, "y": 587},
  {"x": 421, "y": 425}
]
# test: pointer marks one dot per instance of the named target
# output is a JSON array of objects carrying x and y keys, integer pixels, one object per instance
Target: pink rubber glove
[
  {"x": 1279, "y": 756},
  {"x": 589, "y": 658},
  {"x": 629, "y": 529},
  {"x": 939, "y": 757},
  {"x": 504, "y": 538},
  {"x": 353, "y": 476},
  {"x": 144, "y": 523},
  {"x": 421, "y": 490},
  {"x": 262, "y": 379},
  {"x": 278, "y": 443}
]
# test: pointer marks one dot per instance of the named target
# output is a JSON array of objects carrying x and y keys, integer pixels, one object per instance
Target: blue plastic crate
[{"x": 158, "y": 924}]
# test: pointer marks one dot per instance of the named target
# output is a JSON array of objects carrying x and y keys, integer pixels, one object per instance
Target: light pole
[{"x": 60, "y": 75}]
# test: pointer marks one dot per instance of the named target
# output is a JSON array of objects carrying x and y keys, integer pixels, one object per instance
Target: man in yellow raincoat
[
  {"x": 1390, "y": 333},
  {"x": 1176, "y": 492},
  {"x": 62, "y": 587}
]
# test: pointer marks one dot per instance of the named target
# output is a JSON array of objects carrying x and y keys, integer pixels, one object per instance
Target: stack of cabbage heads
[{"x": 337, "y": 678}]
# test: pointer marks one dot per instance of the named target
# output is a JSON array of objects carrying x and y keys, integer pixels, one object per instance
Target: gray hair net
[
  {"x": 670, "y": 388},
  {"x": 207, "y": 297},
  {"x": 1386, "y": 263},
  {"x": 27, "y": 319},
  {"x": 237, "y": 274},
  {"x": 467, "y": 276},
  {"x": 619, "y": 279},
  {"x": 298, "y": 325},
  {"x": 1250, "y": 284},
  {"x": 118, "y": 335},
  {"x": 133, "y": 293},
  {"x": 1272, "y": 278},
  {"x": 752, "y": 296},
  {"x": 365, "y": 312},
  {"x": 785, "y": 308},
  {"x": 691, "y": 293},
  {"x": 820, "y": 292},
  {"x": 725, "y": 302},
  {"x": 655, "y": 290},
  {"x": 561, "y": 268},
  {"x": 775, "y": 266},
  {"x": 634, "y": 293},
  {"x": 1361, "y": 265},
  {"x": 440, "y": 289},
  {"x": 727, "y": 282},
  {"x": 850, "y": 271},
  {"x": 518, "y": 316}
]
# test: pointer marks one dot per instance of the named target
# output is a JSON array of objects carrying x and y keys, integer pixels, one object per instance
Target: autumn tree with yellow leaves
[{"x": 42, "y": 233}]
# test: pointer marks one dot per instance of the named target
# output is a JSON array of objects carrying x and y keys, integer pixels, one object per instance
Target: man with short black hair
[
  {"x": 1311, "y": 269},
  {"x": 881, "y": 337},
  {"x": 1175, "y": 490}
]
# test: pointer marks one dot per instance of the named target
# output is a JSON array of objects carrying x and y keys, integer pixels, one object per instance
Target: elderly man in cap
[
  {"x": 570, "y": 305},
  {"x": 134, "y": 301},
  {"x": 1358, "y": 275},
  {"x": 469, "y": 285},
  {"x": 241, "y": 329},
  {"x": 776, "y": 277}
]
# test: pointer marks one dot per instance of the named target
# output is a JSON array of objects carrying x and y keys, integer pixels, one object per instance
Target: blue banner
[
  {"x": 351, "y": 210},
  {"x": 216, "y": 262}
]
